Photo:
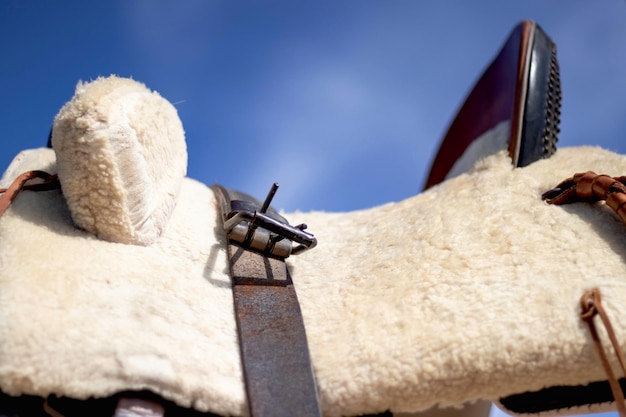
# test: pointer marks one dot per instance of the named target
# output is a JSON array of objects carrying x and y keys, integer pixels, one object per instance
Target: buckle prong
[{"x": 269, "y": 198}]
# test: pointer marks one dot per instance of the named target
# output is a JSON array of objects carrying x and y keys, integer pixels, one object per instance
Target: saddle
[{"x": 120, "y": 277}]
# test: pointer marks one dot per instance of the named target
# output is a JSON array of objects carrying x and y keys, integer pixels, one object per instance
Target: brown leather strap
[
  {"x": 591, "y": 187},
  {"x": 275, "y": 355},
  {"x": 591, "y": 306},
  {"x": 20, "y": 183}
]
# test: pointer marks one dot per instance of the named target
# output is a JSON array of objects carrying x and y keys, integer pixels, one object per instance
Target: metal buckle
[{"x": 260, "y": 228}]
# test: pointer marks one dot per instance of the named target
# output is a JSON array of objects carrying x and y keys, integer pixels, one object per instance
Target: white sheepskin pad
[
  {"x": 469, "y": 290},
  {"x": 121, "y": 157}
]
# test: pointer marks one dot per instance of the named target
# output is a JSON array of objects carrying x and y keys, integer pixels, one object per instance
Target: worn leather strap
[{"x": 275, "y": 355}]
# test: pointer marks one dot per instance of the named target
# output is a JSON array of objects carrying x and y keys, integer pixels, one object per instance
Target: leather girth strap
[{"x": 275, "y": 355}]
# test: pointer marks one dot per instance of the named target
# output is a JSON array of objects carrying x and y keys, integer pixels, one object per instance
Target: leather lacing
[
  {"x": 590, "y": 187},
  {"x": 50, "y": 182},
  {"x": 591, "y": 306}
]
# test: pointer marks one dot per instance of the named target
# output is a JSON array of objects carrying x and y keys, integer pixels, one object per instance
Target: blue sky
[{"x": 344, "y": 102}]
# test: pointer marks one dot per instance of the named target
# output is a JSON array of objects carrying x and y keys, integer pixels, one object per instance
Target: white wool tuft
[{"x": 121, "y": 157}]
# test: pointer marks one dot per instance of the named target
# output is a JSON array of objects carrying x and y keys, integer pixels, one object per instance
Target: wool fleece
[
  {"x": 121, "y": 157},
  {"x": 466, "y": 291}
]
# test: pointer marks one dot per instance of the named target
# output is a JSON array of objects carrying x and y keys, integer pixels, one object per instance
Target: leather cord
[
  {"x": 591, "y": 306},
  {"x": 50, "y": 182}
]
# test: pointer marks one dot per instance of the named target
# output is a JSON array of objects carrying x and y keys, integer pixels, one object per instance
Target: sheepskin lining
[{"x": 406, "y": 305}]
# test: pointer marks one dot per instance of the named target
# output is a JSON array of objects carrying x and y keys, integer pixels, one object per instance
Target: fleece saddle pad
[{"x": 468, "y": 290}]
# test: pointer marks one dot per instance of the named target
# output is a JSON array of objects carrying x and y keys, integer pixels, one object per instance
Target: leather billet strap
[{"x": 276, "y": 361}]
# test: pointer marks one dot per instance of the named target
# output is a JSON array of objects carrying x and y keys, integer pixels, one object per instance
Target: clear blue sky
[{"x": 342, "y": 102}]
